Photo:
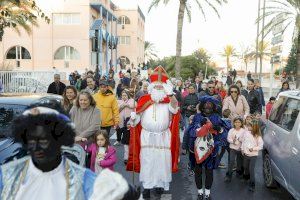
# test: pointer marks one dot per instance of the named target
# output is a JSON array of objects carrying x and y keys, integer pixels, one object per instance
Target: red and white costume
[{"x": 154, "y": 139}]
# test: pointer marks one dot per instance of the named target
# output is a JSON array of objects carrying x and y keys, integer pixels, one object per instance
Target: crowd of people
[{"x": 147, "y": 114}]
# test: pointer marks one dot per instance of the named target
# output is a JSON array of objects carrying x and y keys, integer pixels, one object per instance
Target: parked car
[
  {"x": 13, "y": 105},
  {"x": 281, "y": 154}
]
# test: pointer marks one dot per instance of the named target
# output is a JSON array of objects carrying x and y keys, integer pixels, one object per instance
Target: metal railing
[{"x": 27, "y": 82}]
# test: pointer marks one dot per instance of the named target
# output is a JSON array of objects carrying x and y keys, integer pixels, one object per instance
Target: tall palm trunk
[
  {"x": 298, "y": 63},
  {"x": 228, "y": 63},
  {"x": 182, "y": 6}
]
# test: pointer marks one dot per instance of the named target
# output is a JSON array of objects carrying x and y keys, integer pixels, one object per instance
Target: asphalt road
[{"x": 183, "y": 186}]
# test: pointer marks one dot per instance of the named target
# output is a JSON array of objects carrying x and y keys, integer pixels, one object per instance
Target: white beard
[{"x": 157, "y": 95}]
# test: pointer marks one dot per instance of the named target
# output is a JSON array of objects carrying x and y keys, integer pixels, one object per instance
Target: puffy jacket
[
  {"x": 253, "y": 99},
  {"x": 109, "y": 160},
  {"x": 189, "y": 100},
  {"x": 108, "y": 106}
]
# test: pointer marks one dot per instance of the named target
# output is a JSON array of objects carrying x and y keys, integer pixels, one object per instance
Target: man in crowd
[
  {"x": 198, "y": 83},
  {"x": 154, "y": 143},
  {"x": 189, "y": 105},
  {"x": 84, "y": 82},
  {"x": 259, "y": 89},
  {"x": 91, "y": 85},
  {"x": 45, "y": 173},
  {"x": 253, "y": 97},
  {"x": 108, "y": 105},
  {"x": 143, "y": 91},
  {"x": 56, "y": 87},
  {"x": 211, "y": 91}
]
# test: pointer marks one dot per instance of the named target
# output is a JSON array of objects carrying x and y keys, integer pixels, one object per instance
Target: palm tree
[
  {"x": 15, "y": 14},
  {"x": 185, "y": 7},
  {"x": 150, "y": 52},
  {"x": 289, "y": 12},
  {"x": 229, "y": 51},
  {"x": 263, "y": 50},
  {"x": 246, "y": 55}
]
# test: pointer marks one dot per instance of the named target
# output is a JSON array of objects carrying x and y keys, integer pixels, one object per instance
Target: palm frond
[
  {"x": 201, "y": 8},
  {"x": 213, "y": 7},
  {"x": 154, "y": 3},
  {"x": 188, "y": 11}
]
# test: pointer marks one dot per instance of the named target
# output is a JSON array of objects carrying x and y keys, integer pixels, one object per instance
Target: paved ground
[{"x": 183, "y": 186}]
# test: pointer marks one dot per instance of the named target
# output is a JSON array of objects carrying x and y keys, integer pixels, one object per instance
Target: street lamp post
[{"x": 257, "y": 36}]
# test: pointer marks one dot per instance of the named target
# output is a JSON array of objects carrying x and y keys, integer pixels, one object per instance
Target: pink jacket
[
  {"x": 109, "y": 160},
  {"x": 238, "y": 135},
  {"x": 240, "y": 109},
  {"x": 251, "y": 142}
]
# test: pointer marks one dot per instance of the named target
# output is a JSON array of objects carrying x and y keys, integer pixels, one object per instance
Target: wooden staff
[{"x": 133, "y": 173}]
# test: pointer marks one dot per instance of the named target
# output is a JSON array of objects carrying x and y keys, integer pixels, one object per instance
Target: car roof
[
  {"x": 24, "y": 98},
  {"x": 291, "y": 93}
]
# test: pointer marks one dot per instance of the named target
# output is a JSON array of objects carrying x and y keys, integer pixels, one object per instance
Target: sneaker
[
  {"x": 116, "y": 143},
  {"x": 207, "y": 197},
  {"x": 159, "y": 191},
  {"x": 200, "y": 197},
  {"x": 251, "y": 187},
  {"x": 222, "y": 166},
  {"x": 146, "y": 194}
]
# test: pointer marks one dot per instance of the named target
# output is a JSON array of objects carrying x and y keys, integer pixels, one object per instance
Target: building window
[
  {"x": 18, "y": 53},
  {"x": 66, "y": 19},
  {"x": 124, "y": 61},
  {"x": 124, "y": 40},
  {"x": 66, "y": 53},
  {"x": 123, "y": 20}
]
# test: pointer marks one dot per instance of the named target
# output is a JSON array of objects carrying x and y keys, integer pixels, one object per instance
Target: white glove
[
  {"x": 133, "y": 115},
  {"x": 168, "y": 88}
]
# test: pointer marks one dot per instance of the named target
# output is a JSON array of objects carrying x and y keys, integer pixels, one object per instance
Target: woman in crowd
[
  {"x": 69, "y": 96},
  {"x": 236, "y": 103},
  {"x": 285, "y": 87},
  {"x": 86, "y": 116}
]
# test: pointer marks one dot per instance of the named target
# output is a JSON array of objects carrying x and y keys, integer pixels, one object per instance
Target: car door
[
  {"x": 294, "y": 184},
  {"x": 278, "y": 139}
]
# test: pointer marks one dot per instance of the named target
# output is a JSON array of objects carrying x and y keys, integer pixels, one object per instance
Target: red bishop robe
[{"x": 135, "y": 132}]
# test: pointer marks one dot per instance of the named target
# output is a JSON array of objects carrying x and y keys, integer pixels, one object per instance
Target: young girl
[
  {"x": 102, "y": 154},
  {"x": 248, "y": 120},
  {"x": 251, "y": 145},
  {"x": 235, "y": 138}
]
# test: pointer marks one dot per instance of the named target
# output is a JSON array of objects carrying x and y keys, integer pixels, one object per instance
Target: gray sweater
[{"x": 87, "y": 121}]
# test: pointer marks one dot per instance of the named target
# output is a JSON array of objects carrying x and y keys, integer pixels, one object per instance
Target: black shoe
[
  {"x": 200, "y": 197},
  {"x": 125, "y": 162},
  {"x": 251, "y": 187},
  {"x": 246, "y": 177},
  {"x": 146, "y": 194},
  {"x": 207, "y": 197},
  {"x": 159, "y": 191},
  {"x": 227, "y": 179}
]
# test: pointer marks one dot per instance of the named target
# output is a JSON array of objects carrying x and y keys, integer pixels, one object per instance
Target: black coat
[
  {"x": 253, "y": 99},
  {"x": 52, "y": 88},
  {"x": 190, "y": 100}
]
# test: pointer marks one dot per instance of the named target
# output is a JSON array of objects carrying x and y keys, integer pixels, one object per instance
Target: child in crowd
[
  {"x": 126, "y": 138},
  {"x": 251, "y": 145},
  {"x": 258, "y": 117},
  {"x": 235, "y": 139},
  {"x": 269, "y": 106},
  {"x": 102, "y": 154},
  {"x": 247, "y": 121},
  {"x": 227, "y": 121}
]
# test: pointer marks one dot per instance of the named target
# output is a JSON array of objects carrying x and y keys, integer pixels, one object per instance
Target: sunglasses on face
[{"x": 233, "y": 91}]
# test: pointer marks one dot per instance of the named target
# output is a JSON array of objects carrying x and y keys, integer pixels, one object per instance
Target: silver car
[{"x": 281, "y": 154}]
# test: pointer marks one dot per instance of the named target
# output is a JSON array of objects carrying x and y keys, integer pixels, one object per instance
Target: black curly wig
[{"x": 60, "y": 129}]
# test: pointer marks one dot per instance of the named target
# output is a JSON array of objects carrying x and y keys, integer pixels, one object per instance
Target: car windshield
[{"x": 7, "y": 114}]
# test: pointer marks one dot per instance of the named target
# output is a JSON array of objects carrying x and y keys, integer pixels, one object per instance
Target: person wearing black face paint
[{"x": 45, "y": 173}]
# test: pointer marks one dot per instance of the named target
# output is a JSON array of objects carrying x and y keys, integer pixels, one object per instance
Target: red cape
[{"x": 135, "y": 141}]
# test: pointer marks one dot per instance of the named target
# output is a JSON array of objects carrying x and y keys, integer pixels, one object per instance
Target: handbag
[{"x": 204, "y": 146}]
